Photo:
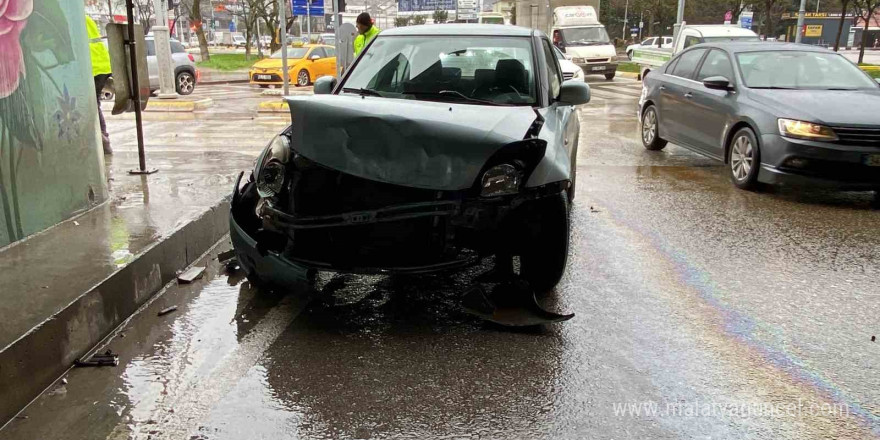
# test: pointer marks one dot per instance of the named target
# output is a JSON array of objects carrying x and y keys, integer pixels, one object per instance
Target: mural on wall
[{"x": 50, "y": 165}]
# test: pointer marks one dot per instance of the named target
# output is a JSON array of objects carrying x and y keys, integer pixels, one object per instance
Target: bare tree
[
  {"x": 866, "y": 10},
  {"x": 844, "y": 4},
  {"x": 193, "y": 9},
  {"x": 144, "y": 13}
]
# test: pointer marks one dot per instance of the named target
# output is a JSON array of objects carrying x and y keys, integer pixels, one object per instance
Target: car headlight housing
[
  {"x": 805, "y": 130},
  {"x": 271, "y": 167},
  {"x": 579, "y": 74},
  {"x": 501, "y": 180}
]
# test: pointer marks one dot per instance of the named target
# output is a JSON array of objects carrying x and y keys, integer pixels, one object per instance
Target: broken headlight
[
  {"x": 500, "y": 180},
  {"x": 271, "y": 167}
]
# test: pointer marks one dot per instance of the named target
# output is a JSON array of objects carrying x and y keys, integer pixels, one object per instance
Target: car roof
[
  {"x": 763, "y": 46},
  {"x": 719, "y": 30},
  {"x": 499, "y": 30}
]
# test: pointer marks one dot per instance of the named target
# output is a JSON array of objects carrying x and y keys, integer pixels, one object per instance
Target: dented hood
[{"x": 435, "y": 145}]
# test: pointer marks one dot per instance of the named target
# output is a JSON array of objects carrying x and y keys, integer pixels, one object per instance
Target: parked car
[
  {"x": 304, "y": 65},
  {"x": 328, "y": 39},
  {"x": 569, "y": 70},
  {"x": 647, "y": 43},
  {"x": 772, "y": 112},
  {"x": 238, "y": 40},
  {"x": 442, "y": 145},
  {"x": 185, "y": 73}
]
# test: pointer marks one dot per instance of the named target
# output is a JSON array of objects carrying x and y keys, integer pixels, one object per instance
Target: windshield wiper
[
  {"x": 363, "y": 92},
  {"x": 456, "y": 94}
]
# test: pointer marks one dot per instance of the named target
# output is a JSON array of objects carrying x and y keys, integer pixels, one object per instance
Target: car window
[
  {"x": 553, "y": 73},
  {"x": 151, "y": 48},
  {"x": 667, "y": 40},
  {"x": 691, "y": 40},
  {"x": 671, "y": 66},
  {"x": 488, "y": 68},
  {"x": 648, "y": 42},
  {"x": 176, "y": 47},
  {"x": 687, "y": 63},
  {"x": 716, "y": 64},
  {"x": 331, "y": 51},
  {"x": 319, "y": 51}
]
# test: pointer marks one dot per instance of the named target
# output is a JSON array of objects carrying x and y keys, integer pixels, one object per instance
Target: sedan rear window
[
  {"x": 687, "y": 63},
  {"x": 800, "y": 70}
]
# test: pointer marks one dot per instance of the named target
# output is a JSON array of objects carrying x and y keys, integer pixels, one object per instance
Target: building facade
[{"x": 51, "y": 160}]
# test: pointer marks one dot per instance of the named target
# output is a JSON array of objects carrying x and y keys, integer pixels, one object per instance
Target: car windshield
[
  {"x": 800, "y": 70},
  {"x": 584, "y": 36},
  {"x": 293, "y": 53},
  {"x": 469, "y": 69}
]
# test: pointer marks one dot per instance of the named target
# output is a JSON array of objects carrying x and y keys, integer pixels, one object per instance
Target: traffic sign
[
  {"x": 634, "y": 30},
  {"x": 745, "y": 20},
  {"x": 641, "y": 24},
  {"x": 728, "y": 16},
  {"x": 315, "y": 7}
]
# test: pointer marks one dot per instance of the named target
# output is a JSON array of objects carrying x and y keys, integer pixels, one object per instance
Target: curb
[
  {"x": 33, "y": 362},
  {"x": 159, "y": 105},
  {"x": 273, "y": 106},
  {"x": 632, "y": 75}
]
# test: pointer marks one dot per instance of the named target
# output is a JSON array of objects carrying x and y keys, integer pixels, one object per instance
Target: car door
[
  {"x": 676, "y": 91},
  {"x": 322, "y": 65},
  {"x": 560, "y": 121},
  {"x": 331, "y": 60},
  {"x": 712, "y": 109},
  {"x": 152, "y": 64}
]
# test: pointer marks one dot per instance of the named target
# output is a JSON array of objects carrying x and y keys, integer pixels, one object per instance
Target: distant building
[{"x": 820, "y": 28}]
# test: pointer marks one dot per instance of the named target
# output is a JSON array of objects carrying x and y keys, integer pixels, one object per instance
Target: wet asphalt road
[{"x": 702, "y": 311}]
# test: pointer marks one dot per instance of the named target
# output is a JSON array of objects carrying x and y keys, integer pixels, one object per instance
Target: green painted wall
[{"x": 51, "y": 162}]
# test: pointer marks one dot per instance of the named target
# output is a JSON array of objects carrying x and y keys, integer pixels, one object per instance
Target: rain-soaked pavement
[{"x": 702, "y": 312}]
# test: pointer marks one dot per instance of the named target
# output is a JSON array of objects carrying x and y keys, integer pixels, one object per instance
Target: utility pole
[
  {"x": 800, "y": 23},
  {"x": 282, "y": 30},
  {"x": 309, "y": 19},
  {"x": 625, "y": 9},
  {"x": 679, "y": 17},
  {"x": 163, "y": 51}
]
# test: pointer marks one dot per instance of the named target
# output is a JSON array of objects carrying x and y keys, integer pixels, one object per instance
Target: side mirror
[
  {"x": 315, "y": 57},
  {"x": 574, "y": 93},
  {"x": 717, "y": 83},
  {"x": 325, "y": 85}
]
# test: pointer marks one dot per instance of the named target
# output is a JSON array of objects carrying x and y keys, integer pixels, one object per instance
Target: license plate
[
  {"x": 598, "y": 68},
  {"x": 872, "y": 160},
  {"x": 264, "y": 76}
]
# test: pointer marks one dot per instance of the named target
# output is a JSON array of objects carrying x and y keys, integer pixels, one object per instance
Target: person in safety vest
[
  {"x": 101, "y": 72},
  {"x": 366, "y": 32}
]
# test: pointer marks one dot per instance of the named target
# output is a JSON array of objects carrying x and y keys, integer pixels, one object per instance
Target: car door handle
[{"x": 688, "y": 95}]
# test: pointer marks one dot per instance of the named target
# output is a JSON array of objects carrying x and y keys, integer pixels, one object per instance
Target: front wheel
[
  {"x": 610, "y": 76},
  {"x": 630, "y": 55},
  {"x": 651, "y": 130},
  {"x": 186, "y": 83},
  {"x": 545, "y": 248},
  {"x": 744, "y": 159},
  {"x": 302, "y": 78}
]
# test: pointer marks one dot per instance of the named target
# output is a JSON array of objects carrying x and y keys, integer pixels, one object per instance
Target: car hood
[
  {"x": 422, "y": 144},
  {"x": 568, "y": 67},
  {"x": 274, "y": 63},
  {"x": 830, "y": 107}
]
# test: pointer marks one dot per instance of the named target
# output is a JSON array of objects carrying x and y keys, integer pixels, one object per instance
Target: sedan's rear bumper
[{"x": 786, "y": 161}]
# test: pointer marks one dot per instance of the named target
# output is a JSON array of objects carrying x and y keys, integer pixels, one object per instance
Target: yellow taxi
[{"x": 304, "y": 65}]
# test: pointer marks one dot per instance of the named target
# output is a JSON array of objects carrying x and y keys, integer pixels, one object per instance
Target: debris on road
[
  {"x": 510, "y": 304},
  {"x": 107, "y": 359},
  {"x": 191, "y": 275},
  {"x": 873, "y": 338},
  {"x": 167, "y": 310},
  {"x": 223, "y": 257}
]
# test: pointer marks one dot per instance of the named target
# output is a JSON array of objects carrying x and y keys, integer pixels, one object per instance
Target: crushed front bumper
[{"x": 451, "y": 234}]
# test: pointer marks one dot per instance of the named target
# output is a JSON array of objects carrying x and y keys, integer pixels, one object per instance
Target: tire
[
  {"x": 545, "y": 252},
  {"x": 185, "y": 83},
  {"x": 630, "y": 55},
  {"x": 107, "y": 95},
  {"x": 610, "y": 76},
  {"x": 302, "y": 78},
  {"x": 744, "y": 159},
  {"x": 650, "y": 128}
]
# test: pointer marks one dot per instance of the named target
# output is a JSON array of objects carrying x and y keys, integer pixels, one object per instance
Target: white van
[
  {"x": 577, "y": 32},
  {"x": 491, "y": 18}
]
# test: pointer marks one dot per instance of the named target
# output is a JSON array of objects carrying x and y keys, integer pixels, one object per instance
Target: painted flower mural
[{"x": 13, "y": 18}]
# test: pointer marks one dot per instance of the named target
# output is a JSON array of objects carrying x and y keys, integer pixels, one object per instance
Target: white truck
[
  {"x": 578, "y": 33},
  {"x": 650, "y": 58}
]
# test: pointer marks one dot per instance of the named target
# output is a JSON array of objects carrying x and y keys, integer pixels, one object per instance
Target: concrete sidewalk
[{"x": 70, "y": 286}]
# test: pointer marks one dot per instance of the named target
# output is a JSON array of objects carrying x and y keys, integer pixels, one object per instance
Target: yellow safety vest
[
  {"x": 363, "y": 39},
  {"x": 100, "y": 55}
]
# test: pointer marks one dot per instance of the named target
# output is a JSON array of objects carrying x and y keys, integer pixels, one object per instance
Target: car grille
[
  {"x": 868, "y": 137},
  {"x": 597, "y": 60},
  {"x": 567, "y": 76}
]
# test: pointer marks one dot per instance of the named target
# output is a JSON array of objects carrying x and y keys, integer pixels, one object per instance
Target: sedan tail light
[{"x": 191, "y": 57}]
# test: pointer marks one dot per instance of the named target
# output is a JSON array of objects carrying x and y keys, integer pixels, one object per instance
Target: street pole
[
  {"x": 800, "y": 23},
  {"x": 282, "y": 25},
  {"x": 162, "y": 44},
  {"x": 623, "y": 31},
  {"x": 641, "y": 20},
  {"x": 679, "y": 17},
  {"x": 136, "y": 93},
  {"x": 817, "y": 5},
  {"x": 309, "y": 19}
]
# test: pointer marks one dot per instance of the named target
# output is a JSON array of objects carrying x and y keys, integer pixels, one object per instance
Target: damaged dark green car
[{"x": 441, "y": 146}]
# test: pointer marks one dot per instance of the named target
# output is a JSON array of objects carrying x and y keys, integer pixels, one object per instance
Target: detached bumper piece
[{"x": 511, "y": 304}]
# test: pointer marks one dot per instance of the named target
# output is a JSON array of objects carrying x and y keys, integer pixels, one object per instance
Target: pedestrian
[
  {"x": 366, "y": 32},
  {"x": 101, "y": 73}
]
